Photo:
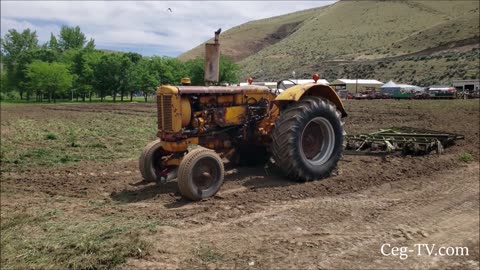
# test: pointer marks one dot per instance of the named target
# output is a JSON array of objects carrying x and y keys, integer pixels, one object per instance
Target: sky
[{"x": 145, "y": 27}]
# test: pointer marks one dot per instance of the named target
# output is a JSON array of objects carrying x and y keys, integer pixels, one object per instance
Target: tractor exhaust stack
[{"x": 212, "y": 60}]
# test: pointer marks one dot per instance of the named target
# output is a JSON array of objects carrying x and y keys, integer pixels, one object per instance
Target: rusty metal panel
[
  {"x": 178, "y": 146},
  {"x": 212, "y": 62},
  {"x": 229, "y": 116}
]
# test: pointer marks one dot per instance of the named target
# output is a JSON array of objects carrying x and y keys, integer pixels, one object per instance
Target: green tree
[
  {"x": 134, "y": 57},
  {"x": 142, "y": 77},
  {"x": 124, "y": 70},
  {"x": 130, "y": 86},
  {"x": 53, "y": 43},
  {"x": 4, "y": 90},
  {"x": 228, "y": 73},
  {"x": 51, "y": 79},
  {"x": 44, "y": 53},
  {"x": 104, "y": 77},
  {"x": 195, "y": 70},
  {"x": 111, "y": 75},
  {"x": 168, "y": 70},
  {"x": 68, "y": 57},
  {"x": 16, "y": 48},
  {"x": 73, "y": 38},
  {"x": 90, "y": 45},
  {"x": 82, "y": 66}
]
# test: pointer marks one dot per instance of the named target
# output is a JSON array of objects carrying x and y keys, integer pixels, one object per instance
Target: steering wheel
[{"x": 281, "y": 84}]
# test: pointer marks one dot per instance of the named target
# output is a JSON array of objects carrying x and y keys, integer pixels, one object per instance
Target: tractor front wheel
[
  {"x": 307, "y": 139},
  {"x": 200, "y": 174},
  {"x": 150, "y": 161}
]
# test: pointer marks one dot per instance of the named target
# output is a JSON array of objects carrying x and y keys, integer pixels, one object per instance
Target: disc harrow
[{"x": 403, "y": 140}]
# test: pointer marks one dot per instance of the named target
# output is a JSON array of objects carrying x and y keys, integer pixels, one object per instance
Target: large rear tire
[
  {"x": 200, "y": 174},
  {"x": 307, "y": 140},
  {"x": 149, "y": 161}
]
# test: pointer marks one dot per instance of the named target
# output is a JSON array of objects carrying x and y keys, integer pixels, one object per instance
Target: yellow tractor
[{"x": 200, "y": 127}]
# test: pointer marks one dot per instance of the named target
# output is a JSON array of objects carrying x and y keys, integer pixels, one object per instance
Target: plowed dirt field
[{"x": 72, "y": 196}]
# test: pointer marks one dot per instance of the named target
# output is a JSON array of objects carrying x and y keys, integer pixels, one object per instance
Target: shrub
[
  {"x": 466, "y": 157},
  {"x": 51, "y": 136},
  {"x": 72, "y": 138}
]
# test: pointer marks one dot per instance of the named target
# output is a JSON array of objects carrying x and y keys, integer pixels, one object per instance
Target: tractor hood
[{"x": 169, "y": 89}]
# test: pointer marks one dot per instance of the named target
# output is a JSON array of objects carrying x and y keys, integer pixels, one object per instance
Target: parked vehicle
[
  {"x": 421, "y": 95},
  {"x": 369, "y": 94},
  {"x": 442, "y": 92},
  {"x": 360, "y": 96},
  {"x": 386, "y": 96},
  {"x": 403, "y": 95}
]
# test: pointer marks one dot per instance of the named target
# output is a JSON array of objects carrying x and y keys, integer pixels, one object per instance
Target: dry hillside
[{"x": 419, "y": 42}]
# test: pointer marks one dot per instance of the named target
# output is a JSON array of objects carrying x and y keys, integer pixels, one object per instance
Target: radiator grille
[
  {"x": 159, "y": 112},
  {"x": 167, "y": 113},
  {"x": 164, "y": 112}
]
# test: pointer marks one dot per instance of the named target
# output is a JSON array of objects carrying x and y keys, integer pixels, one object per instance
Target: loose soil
[{"x": 261, "y": 220}]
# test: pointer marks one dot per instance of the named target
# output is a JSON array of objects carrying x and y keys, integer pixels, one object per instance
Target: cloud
[{"x": 145, "y": 27}]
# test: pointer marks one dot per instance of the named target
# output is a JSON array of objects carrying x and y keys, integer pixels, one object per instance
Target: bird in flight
[{"x": 169, "y": 9}]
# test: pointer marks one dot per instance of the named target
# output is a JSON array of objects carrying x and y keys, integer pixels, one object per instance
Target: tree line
[{"x": 69, "y": 66}]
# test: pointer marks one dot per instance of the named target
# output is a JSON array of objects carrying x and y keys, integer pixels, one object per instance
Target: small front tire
[
  {"x": 200, "y": 174},
  {"x": 149, "y": 161}
]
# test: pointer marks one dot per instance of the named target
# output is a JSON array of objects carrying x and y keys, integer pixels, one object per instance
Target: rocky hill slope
[{"x": 420, "y": 42}]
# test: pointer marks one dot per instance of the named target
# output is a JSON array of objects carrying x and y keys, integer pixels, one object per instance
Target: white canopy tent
[{"x": 392, "y": 88}]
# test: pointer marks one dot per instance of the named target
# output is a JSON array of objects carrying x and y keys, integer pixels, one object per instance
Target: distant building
[
  {"x": 467, "y": 85},
  {"x": 355, "y": 85}
]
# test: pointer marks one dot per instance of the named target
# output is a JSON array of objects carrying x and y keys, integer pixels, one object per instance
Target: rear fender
[{"x": 296, "y": 92}]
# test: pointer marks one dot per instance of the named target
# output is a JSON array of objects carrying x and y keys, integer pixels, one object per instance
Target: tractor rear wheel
[
  {"x": 149, "y": 161},
  {"x": 307, "y": 139},
  {"x": 200, "y": 174}
]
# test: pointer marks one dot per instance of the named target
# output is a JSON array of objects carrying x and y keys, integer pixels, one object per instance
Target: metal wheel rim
[
  {"x": 157, "y": 161},
  {"x": 205, "y": 173},
  {"x": 327, "y": 143}
]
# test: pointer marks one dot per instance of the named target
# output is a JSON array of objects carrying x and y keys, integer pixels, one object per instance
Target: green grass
[
  {"x": 52, "y": 240},
  {"x": 466, "y": 157},
  {"x": 41, "y": 231},
  {"x": 68, "y": 138}
]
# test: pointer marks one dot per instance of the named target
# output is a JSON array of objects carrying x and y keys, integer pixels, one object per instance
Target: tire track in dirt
[{"x": 284, "y": 230}]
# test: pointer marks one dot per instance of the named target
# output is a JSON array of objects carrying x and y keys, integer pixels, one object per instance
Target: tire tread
[{"x": 286, "y": 130}]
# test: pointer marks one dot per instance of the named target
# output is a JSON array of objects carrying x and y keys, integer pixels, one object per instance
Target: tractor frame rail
[{"x": 404, "y": 140}]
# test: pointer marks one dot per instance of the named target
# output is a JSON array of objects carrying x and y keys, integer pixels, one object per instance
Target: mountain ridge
[{"x": 413, "y": 41}]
